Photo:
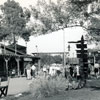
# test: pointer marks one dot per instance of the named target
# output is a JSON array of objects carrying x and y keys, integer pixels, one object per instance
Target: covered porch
[{"x": 11, "y": 60}]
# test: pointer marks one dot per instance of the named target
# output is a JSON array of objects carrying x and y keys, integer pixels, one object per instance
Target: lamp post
[
  {"x": 36, "y": 49},
  {"x": 38, "y": 62},
  {"x": 68, "y": 53},
  {"x": 62, "y": 23},
  {"x": 62, "y": 27},
  {"x": 69, "y": 49},
  {"x": 64, "y": 61}
]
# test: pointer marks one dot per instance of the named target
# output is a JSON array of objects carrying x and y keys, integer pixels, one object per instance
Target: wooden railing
[{"x": 4, "y": 87}]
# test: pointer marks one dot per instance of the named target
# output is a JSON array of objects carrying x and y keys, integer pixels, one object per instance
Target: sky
[{"x": 54, "y": 42}]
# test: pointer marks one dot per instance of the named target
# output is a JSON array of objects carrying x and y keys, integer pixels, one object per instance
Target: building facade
[{"x": 11, "y": 59}]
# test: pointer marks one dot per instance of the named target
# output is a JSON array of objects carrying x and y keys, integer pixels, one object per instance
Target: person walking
[
  {"x": 79, "y": 76},
  {"x": 33, "y": 70},
  {"x": 68, "y": 77},
  {"x": 45, "y": 70},
  {"x": 66, "y": 70},
  {"x": 71, "y": 71},
  {"x": 28, "y": 71},
  {"x": 77, "y": 72},
  {"x": 96, "y": 70}
]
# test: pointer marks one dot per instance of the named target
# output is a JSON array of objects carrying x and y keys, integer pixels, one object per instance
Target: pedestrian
[
  {"x": 96, "y": 69},
  {"x": 68, "y": 77},
  {"x": 28, "y": 71},
  {"x": 89, "y": 70},
  {"x": 25, "y": 72},
  {"x": 58, "y": 71},
  {"x": 78, "y": 72},
  {"x": 71, "y": 71},
  {"x": 74, "y": 72},
  {"x": 33, "y": 70},
  {"x": 52, "y": 72},
  {"x": 66, "y": 70},
  {"x": 78, "y": 76},
  {"x": 45, "y": 70}
]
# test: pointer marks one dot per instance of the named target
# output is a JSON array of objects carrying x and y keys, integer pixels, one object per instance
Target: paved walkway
[
  {"x": 91, "y": 92},
  {"x": 18, "y": 85}
]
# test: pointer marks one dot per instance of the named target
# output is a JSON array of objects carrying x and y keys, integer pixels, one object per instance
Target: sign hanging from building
[{"x": 27, "y": 59}]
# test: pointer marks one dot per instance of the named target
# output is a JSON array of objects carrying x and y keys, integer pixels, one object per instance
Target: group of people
[
  {"x": 72, "y": 71},
  {"x": 95, "y": 69},
  {"x": 75, "y": 74},
  {"x": 68, "y": 70},
  {"x": 51, "y": 71},
  {"x": 30, "y": 71}
]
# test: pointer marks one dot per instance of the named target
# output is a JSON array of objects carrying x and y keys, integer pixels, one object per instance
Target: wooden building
[{"x": 11, "y": 59}]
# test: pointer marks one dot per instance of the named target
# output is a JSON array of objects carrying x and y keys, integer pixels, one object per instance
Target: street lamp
[
  {"x": 64, "y": 63},
  {"x": 64, "y": 58},
  {"x": 68, "y": 53},
  {"x": 36, "y": 49},
  {"x": 68, "y": 48},
  {"x": 62, "y": 27}
]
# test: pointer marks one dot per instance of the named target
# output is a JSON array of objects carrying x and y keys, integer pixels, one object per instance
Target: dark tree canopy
[
  {"x": 53, "y": 16},
  {"x": 49, "y": 17},
  {"x": 14, "y": 19},
  {"x": 67, "y": 13},
  {"x": 49, "y": 59}
]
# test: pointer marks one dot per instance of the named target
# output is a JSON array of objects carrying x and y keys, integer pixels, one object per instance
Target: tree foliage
[
  {"x": 48, "y": 59},
  {"x": 14, "y": 19},
  {"x": 54, "y": 16},
  {"x": 49, "y": 17},
  {"x": 67, "y": 13}
]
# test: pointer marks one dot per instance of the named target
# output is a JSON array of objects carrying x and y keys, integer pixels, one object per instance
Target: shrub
[{"x": 43, "y": 87}]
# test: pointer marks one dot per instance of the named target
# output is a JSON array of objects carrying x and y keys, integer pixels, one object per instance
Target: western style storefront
[{"x": 10, "y": 61}]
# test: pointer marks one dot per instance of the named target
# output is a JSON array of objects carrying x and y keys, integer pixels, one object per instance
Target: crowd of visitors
[
  {"x": 70, "y": 72},
  {"x": 52, "y": 70}
]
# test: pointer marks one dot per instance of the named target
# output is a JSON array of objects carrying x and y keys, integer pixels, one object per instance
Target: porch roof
[{"x": 20, "y": 56}]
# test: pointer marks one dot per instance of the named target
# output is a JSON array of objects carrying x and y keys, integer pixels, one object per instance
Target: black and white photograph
[{"x": 49, "y": 50}]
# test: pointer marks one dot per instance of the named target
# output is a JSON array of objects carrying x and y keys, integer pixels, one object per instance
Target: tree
[
  {"x": 53, "y": 16},
  {"x": 14, "y": 20},
  {"x": 46, "y": 59},
  {"x": 68, "y": 13},
  {"x": 50, "y": 16},
  {"x": 58, "y": 59},
  {"x": 25, "y": 35},
  {"x": 91, "y": 17},
  {"x": 49, "y": 59}
]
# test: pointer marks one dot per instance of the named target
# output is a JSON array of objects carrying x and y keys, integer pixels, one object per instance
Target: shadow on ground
[
  {"x": 93, "y": 84},
  {"x": 95, "y": 88}
]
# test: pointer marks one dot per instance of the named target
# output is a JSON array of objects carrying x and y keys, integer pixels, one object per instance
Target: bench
[{"x": 4, "y": 87}]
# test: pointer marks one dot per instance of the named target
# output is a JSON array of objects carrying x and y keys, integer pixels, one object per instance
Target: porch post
[
  {"x": 6, "y": 60},
  {"x": 39, "y": 64},
  {"x": 18, "y": 69}
]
